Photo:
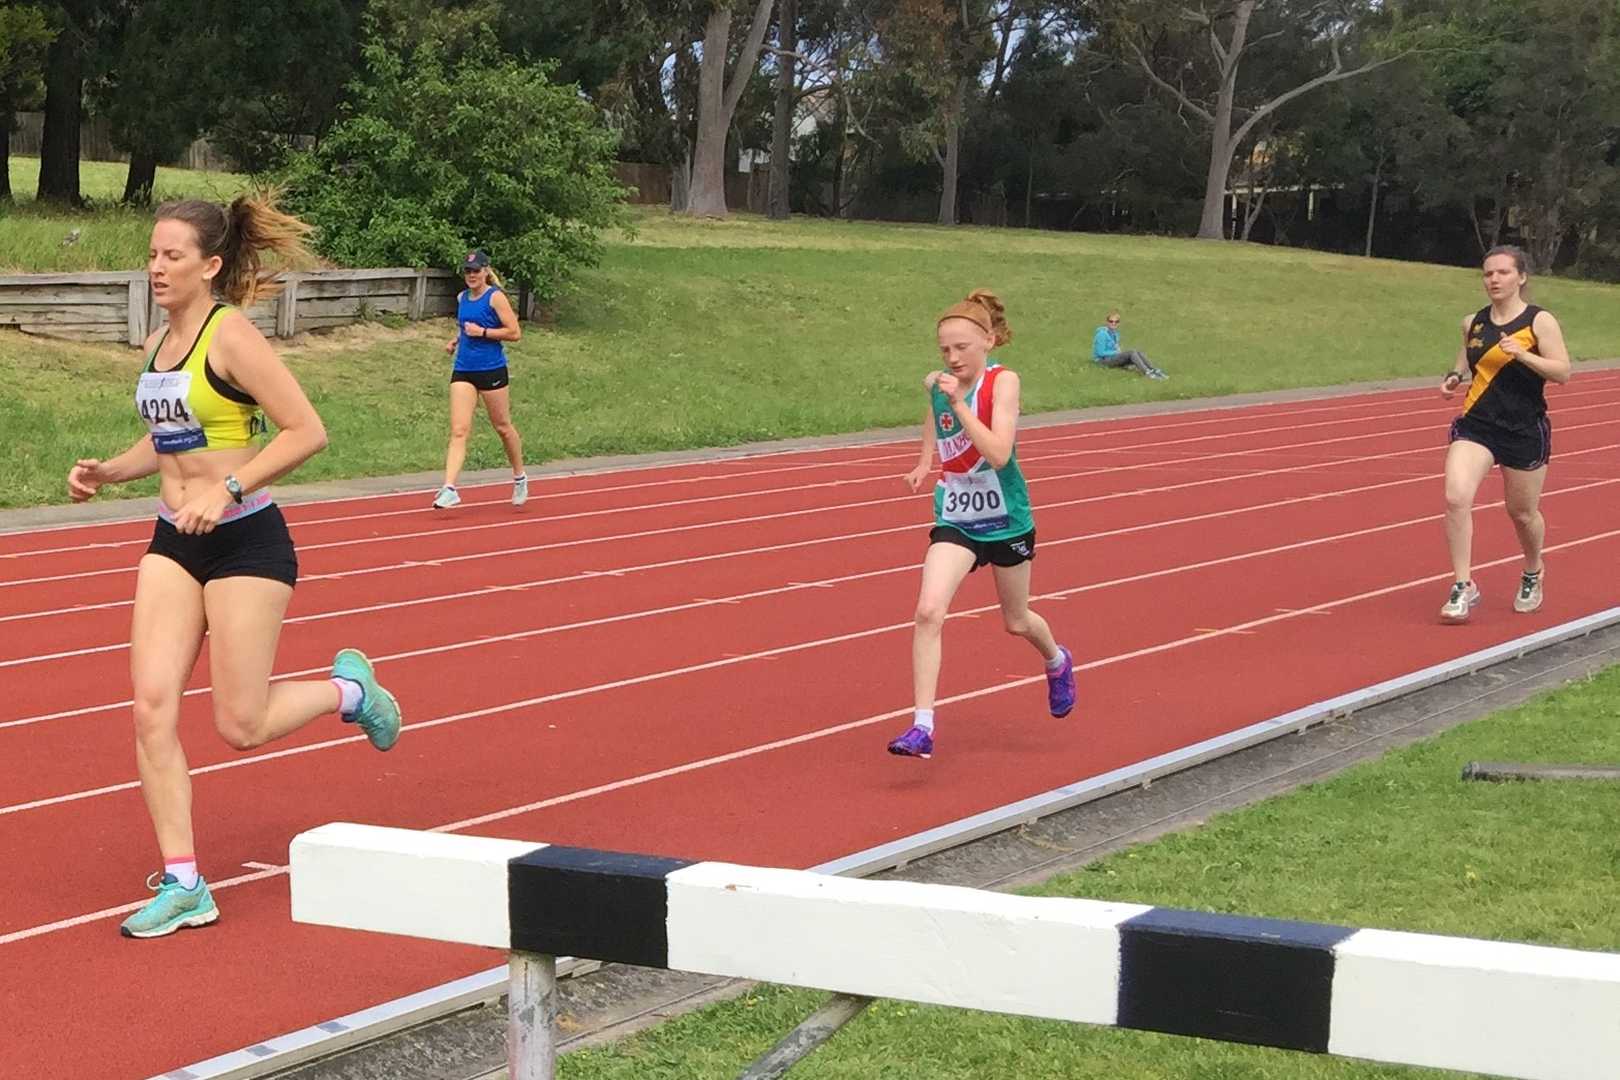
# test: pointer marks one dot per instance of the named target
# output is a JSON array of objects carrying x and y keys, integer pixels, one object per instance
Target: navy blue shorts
[{"x": 1523, "y": 450}]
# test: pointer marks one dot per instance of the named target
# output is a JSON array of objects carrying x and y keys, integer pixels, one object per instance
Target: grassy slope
[
  {"x": 700, "y": 333},
  {"x": 110, "y": 238},
  {"x": 1398, "y": 843}
]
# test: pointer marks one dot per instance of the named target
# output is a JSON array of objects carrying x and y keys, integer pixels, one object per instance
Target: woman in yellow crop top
[{"x": 221, "y": 560}]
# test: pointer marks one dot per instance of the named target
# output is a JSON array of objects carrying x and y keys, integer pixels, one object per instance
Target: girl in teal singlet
[{"x": 981, "y": 507}]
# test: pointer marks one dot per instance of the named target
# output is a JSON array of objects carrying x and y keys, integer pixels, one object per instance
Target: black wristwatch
[{"x": 234, "y": 486}]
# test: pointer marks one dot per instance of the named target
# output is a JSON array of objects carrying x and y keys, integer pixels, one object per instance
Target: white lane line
[
  {"x": 810, "y": 736},
  {"x": 743, "y": 552},
  {"x": 530, "y": 520},
  {"x": 781, "y": 650},
  {"x": 1111, "y": 427},
  {"x": 455, "y": 646},
  {"x": 1110, "y": 470}
]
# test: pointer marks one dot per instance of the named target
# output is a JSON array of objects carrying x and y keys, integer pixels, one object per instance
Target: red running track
[{"x": 706, "y": 660}]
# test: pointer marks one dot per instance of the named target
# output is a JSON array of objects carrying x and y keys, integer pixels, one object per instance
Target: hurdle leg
[{"x": 531, "y": 1017}]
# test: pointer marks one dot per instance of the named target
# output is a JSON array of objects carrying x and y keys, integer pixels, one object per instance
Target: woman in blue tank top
[{"x": 484, "y": 320}]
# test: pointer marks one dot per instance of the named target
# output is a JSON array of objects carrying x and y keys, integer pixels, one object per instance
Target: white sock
[
  {"x": 924, "y": 719},
  {"x": 520, "y": 476},
  {"x": 1056, "y": 662},
  {"x": 184, "y": 870},
  {"x": 349, "y": 696}
]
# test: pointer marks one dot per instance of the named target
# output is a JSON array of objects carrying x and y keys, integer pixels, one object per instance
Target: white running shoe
[
  {"x": 520, "y": 489},
  {"x": 446, "y": 498},
  {"x": 1464, "y": 596},
  {"x": 1528, "y": 597}
]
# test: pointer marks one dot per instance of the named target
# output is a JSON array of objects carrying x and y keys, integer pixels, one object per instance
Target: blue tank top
[{"x": 476, "y": 353}]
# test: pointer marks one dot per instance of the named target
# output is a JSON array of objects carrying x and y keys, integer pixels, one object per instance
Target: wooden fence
[
  {"x": 95, "y": 144},
  {"x": 118, "y": 305}
]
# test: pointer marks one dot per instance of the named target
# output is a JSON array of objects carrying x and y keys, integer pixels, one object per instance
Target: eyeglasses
[{"x": 1113, "y": 322}]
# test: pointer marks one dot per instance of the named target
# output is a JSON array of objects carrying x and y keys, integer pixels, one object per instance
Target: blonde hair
[
  {"x": 985, "y": 310},
  {"x": 237, "y": 233}
]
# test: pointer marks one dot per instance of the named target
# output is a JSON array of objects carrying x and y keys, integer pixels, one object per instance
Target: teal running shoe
[
  {"x": 378, "y": 714},
  {"x": 172, "y": 908}
]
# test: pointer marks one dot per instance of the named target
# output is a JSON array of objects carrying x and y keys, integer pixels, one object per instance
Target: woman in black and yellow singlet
[
  {"x": 1510, "y": 349},
  {"x": 221, "y": 560}
]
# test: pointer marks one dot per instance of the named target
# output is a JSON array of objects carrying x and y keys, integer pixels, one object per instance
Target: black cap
[{"x": 475, "y": 260}]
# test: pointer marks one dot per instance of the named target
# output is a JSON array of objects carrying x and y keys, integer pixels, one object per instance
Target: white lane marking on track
[
  {"x": 461, "y": 530},
  {"x": 1026, "y": 443},
  {"x": 87, "y": 710},
  {"x": 578, "y": 692},
  {"x": 810, "y": 736},
  {"x": 486, "y": 590},
  {"x": 1094, "y": 428}
]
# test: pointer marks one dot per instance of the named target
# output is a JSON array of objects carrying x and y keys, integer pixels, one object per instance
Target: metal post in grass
[
  {"x": 1509, "y": 770},
  {"x": 531, "y": 1017},
  {"x": 803, "y": 1040}
]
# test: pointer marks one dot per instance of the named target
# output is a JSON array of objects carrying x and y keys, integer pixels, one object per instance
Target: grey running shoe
[
  {"x": 446, "y": 498},
  {"x": 1528, "y": 597},
  {"x": 1464, "y": 596},
  {"x": 520, "y": 490}
]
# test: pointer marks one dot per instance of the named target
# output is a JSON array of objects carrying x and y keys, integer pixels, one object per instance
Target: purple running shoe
[
  {"x": 1060, "y": 686},
  {"x": 916, "y": 742}
]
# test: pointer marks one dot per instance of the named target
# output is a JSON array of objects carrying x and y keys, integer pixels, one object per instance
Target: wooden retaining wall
[{"x": 118, "y": 306}]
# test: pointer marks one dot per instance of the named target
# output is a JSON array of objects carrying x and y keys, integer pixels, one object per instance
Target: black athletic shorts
[
  {"x": 257, "y": 545},
  {"x": 493, "y": 379},
  {"x": 1526, "y": 450},
  {"x": 1009, "y": 552}
]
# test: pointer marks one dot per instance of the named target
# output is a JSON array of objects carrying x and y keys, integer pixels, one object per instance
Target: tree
[
  {"x": 787, "y": 97},
  {"x": 1306, "y": 28},
  {"x": 25, "y": 36},
  {"x": 155, "y": 109},
  {"x": 434, "y": 158},
  {"x": 717, "y": 99},
  {"x": 939, "y": 48}
]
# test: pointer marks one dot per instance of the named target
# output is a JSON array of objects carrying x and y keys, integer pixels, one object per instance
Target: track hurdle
[{"x": 1499, "y": 1008}]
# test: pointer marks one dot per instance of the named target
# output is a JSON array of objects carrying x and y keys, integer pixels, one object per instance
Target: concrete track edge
[{"x": 347, "y": 1032}]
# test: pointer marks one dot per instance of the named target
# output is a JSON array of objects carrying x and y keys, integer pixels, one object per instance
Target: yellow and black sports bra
[{"x": 186, "y": 413}]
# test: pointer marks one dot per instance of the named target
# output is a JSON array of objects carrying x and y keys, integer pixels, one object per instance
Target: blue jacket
[{"x": 1104, "y": 343}]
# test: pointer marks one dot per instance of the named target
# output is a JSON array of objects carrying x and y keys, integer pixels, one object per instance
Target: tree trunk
[
  {"x": 1372, "y": 210},
  {"x": 5, "y": 156},
  {"x": 952, "y": 162},
  {"x": 64, "y": 114},
  {"x": 1029, "y": 189},
  {"x": 1212, "y": 225},
  {"x": 787, "y": 41},
  {"x": 680, "y": 183},
  {"x": 140, "y": 179},
  {"x": 1251, "y": 209},
  {"x": 717, "y": 101},
  {"x": 708, "y": 196}
]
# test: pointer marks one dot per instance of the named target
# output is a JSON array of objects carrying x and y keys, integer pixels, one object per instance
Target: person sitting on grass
[{"x": 1105, "y": 350}]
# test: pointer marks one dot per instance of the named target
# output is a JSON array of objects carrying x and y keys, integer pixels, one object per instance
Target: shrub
[{"x": 432, "y": 159}]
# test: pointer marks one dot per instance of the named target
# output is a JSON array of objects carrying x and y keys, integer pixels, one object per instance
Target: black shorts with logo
[
  {"x": 1524, "y": 450},
  {"x": 492, "y": 379},
  {"x": 257, "y": 545},
  {"x": 1008, "y": 552}
]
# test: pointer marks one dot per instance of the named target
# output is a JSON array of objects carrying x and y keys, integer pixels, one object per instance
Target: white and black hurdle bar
[{"x": 1492, "y": 1007}]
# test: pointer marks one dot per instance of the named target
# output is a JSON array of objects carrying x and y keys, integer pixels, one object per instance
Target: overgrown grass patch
[{"x": 1398, "y": 843}]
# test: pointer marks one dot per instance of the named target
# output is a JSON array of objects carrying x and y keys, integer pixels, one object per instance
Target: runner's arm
[
  {"x": 1552, "y": 362},
  {"x": 996, "y": 441},
  {"x": 247, "y": 361}
]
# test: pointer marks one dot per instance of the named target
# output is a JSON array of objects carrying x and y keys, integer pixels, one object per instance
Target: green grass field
[
  {"x": 110, "y": 237},
  {"x": 701, "y": 333},
  {"x": 1398, "y": 843}
]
